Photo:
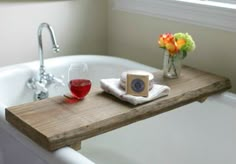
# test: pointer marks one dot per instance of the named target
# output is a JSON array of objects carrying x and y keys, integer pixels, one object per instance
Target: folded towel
[{"x": 112, "y": 86}]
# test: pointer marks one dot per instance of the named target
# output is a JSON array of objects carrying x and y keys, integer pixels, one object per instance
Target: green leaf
[{"x": 184, "y": 54}]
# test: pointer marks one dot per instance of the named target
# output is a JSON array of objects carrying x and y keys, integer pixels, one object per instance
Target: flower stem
[
  {"x": 170, "y": 64},
  {"x": 173, "y": 65}
]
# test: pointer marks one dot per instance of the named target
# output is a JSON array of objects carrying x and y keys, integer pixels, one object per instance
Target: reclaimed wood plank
[{"x": 54, "y": 123}]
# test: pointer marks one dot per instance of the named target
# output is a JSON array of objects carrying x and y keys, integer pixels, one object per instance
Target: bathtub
[{"x": 196, "y": 133}]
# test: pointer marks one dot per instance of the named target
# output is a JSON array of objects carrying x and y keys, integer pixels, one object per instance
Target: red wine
[{"x": 79, "y": 87}]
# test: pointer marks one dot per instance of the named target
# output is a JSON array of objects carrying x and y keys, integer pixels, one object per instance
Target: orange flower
[
  {"x": 164, "y": 39},
  {"x": 172, "y": 48},
  {"x": 180, "y": 43},
  {"x": 161, "y": 42}
]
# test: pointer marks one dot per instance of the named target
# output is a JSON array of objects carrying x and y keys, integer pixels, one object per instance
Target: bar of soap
[
  {"x": 123, "y": 77},
  {"x": 137, "y": 85}
]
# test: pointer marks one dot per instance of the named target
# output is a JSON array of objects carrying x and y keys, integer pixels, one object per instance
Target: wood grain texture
[{"x": 54, "y": 123}]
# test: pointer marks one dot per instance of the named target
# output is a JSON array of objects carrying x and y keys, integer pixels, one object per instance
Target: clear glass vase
[{"x": 172, "y": 65}]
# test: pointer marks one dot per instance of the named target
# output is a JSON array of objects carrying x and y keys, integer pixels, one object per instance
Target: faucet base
[{"x": 41, "y": 95}]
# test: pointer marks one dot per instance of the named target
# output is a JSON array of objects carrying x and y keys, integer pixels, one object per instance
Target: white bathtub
[{"x": 194, "y": 134}]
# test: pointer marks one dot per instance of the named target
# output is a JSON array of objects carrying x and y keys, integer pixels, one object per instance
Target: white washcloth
[{"x": 112, "y": 86}]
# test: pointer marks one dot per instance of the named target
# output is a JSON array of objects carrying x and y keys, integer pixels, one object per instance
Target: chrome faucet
[
  {"x": 55, "y": 47},
  {"x": 40, "y": 85}
]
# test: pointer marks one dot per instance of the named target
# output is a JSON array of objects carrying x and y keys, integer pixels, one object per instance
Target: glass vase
[{"x": 172, "y": 65}]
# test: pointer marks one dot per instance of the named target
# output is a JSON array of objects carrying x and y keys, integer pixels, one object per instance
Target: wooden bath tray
[{"x": 54, "y": 123}]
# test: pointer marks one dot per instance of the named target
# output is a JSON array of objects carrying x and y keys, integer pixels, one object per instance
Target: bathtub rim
[
  {"x": 90, "y": 57},
  {"x": 227, "y": 98}
]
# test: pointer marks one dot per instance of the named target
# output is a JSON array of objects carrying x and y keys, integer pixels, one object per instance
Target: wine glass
[{"x": 78, "y": 81}]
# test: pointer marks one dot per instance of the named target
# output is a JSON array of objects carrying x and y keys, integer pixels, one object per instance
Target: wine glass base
[{"x": 71, "y": 99}]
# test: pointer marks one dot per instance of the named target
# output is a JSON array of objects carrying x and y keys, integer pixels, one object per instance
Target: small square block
[{"x": 137, "y": 85}]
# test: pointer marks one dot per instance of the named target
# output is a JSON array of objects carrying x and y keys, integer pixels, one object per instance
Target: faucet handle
[
  {"x": 40, "y": 87},
  {"x": 36, "y": 85}
]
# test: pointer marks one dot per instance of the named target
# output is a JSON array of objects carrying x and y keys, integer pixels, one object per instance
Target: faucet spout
[
  {"x": 40, "y": 84},
  {"x": 55, "y": 46}
]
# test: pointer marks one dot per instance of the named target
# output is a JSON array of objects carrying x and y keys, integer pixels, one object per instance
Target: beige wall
[
  {"x": 135, "y": 36},
  {"x": 80, "y": 27}
]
